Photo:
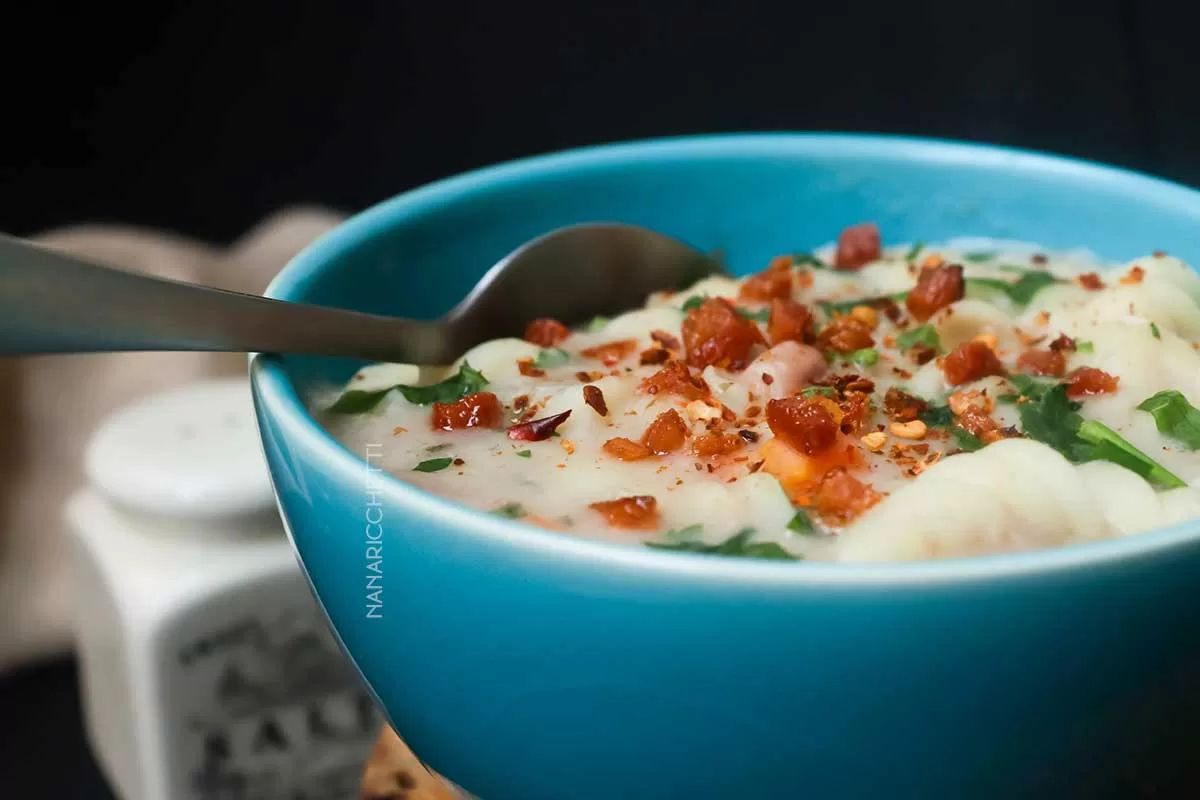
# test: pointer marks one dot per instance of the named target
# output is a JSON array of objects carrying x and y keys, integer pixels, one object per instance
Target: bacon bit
[
  {"x": 970, "y": 362},
  {"x": 525, "y": 367},
  {"x": 841, "y": 497},
  {"x": 1090, "y": 281},
  {"x": 857, "y": 246},
  {"x": 568, "y": 445},
  {"x": 845, "y": 335},
  {"x": 639, "y": 512},
  {"x": 901, "y": 406},
  {"x": 855, "y": 407},
  {"x": 654, "y": 355},
  {"x": 789, "y": 321},
  {"x": 753, "y": 411},
  {"x": 675, "y": 378},
  {"x": 932, "y": 261},
  {"x": 767, "y": 379},
  {"x": 715, "y": 334},
  {"x": 458, "y": 462},
  {"x": 1043, "y": 362},
  {"x": 875, "y": 441},
  {"x": 666, "y": 433},
  {"x": 976, "y": 422},
  {"x": 1089, "y": 381},
  {"x": 803, "y": 423},
  {"x": 612, "y": 352},
  {"x": 774, "y": 281},
  {"x": 546, "y": 332},
  {"x": 479, "y": 410},
  {"x": 749, "y": 436},
  {"x": 594, "y": 397},
  {"x": 1063, "y": 343},
  {"x": 1042, "y": 318},
  {"x": 866, "y": 315},
  {"x": 922, "y": 354},
  {"x": 520, "y": 401},
  {"x": 890, "y": 309},
  {"x": 915, "y": 429},
  {"x": 624, "y": 449},
  {"x": 717, "y": 444},
  {"x": 538, "y": 429},
  {"x": 903, "y": 374},
  {"x": 937, "y": 287},
  {"x": 665, "y": 339},
  {"x": 1135, "y": 276},
  {"x": 1038, "y": 258}
]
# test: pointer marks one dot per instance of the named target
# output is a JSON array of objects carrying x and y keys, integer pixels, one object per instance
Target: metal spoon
[{"x": 53, "y": 303}]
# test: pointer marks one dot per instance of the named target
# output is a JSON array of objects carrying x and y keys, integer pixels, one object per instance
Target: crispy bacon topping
[
  {"x": 653, "y": 355},
  {"x": 774, "y": 281},
  {"x": 479, "y": 410},
  {"x": 804, "y": 423},
  {"x": 1090, "y": 281},
  {"x": 1062, "y": 344},
  {"x": 675, "y": 378},
  {"x": 717, "y": 444},
  {"x": 594, "y": 397},
  {"x": 841, "y": 497},
  {"x": 1088, "y": 381},
  {"x": 858, "y": 246},
  {"x": 901, "y": 406},
  {"x": 1043, "y": 362},
  {"x": 789, "y": 321},
  {"x": 624, "y": 449},
  {"x": 856, "y": 408},
  {"x": 537, "y": 430},
  {"x": 977, "y": 422},
  {"x": 639, "y": 512},
  {"x": 715, "y": 334},
  {"x": 1135, "y": 276},
  {"x": 666, "y": 433},
  {"x": 845, "y": 335},
  {"x": 971, "y": 361},
  {"x": 936, "y": 288},
  {"x": 525, "y": 367},
  {"x": 666, "y": 340},
  {"x": 612, "y": 352},
  {"x": 546, "y": 332}
]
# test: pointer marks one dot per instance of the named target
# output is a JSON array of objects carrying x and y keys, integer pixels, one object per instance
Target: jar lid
[{"x": 190, "y": 453}]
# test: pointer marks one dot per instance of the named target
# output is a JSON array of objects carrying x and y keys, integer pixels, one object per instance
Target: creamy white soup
[{"x": 860, "y": 403}]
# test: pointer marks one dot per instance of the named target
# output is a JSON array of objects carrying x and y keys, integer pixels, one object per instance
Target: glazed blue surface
[{"x": 526, "y": 665}]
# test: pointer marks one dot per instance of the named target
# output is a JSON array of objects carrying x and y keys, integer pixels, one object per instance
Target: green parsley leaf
[
  {"x": 965, "y": 440},
  {"x": 554, "y": 357},
  {"x": 1053, "y": 419},
  {"x": 597, "y": 324},
  {"x": 510, "y": 510},
  {"x": 923, "y": 335},
  {"x": 937, "y": 416},
  {"x": 685, "y": 533},
  {"x": 845, "y": 306},
  {"x": 763, "y": 315},
  {"x": 467, "y": 381},
  {"x": 1108, "y": 445},
  {"x": 866, "y": 357},
  {"x": 1154, "y": 331},
  {"x": 737, "y": 545},
  {"x": 808, "y": 260},
  {"x": 1021, "y": 291},
  {"x": 914, "y": 251},
  {"x": 1175, "y": 417},
  {"x": 433, "y": 465},
  {"x": 695, "y": 301},
  {"x": 979, "y": 256},
  {"x": 802, "y": 523},
  {"x": 1083, "y": 346},
  {"x": 524, "y": 453},
  {"x": 812, "y": 391}
]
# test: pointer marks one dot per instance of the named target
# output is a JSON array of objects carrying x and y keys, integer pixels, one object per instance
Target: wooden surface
[{"x": 394, "y": 773}]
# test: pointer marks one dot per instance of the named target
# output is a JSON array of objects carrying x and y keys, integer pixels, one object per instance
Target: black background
[{"x": 204, "y": 117}]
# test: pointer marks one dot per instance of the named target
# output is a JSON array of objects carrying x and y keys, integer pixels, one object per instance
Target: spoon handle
[{"x": 54, "y": 303}]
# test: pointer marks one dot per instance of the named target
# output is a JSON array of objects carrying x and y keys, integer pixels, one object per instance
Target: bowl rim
[{"x": 280, "y": 400}]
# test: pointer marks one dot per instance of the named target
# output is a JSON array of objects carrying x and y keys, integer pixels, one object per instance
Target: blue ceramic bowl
[{"x": 527, "y": 665}]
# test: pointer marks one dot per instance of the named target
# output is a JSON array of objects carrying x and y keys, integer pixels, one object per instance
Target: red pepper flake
[
  {"x": 525, "y": 367},
  {"x": 749, "y": 436},
  {"x": 666, "y": 433},
  {"x": 624, "y": 449},
  {"x": 890, "y": 309},
  {"x": 1135, "y": 276},
  {"x": 857, "y": 246},
  {"x": 756, "y": 466},
  {"x": 804, "y": 423},
  {"x": 1159, "y": 254},
  {"x": 936, "y": 288},
  {"x": 675, "y": 378},
  {"x": 1089, "y": 381},
  {"x": 923, "y": 354},
  {"x": 711, "y": 469},
  {"x": 1039, "y": 258},
  {"x": 714, "y": 333},
  {"x": 1063, "y": 343},
  {"x": 639, "y": 512},
  {"x": 520, "y": 401},
  {"x": 458, "y": 462},
  {"x": 546, "y": 332},
  {"x": 612, "y": 352},
  {"x": 1090, "y": 281},
  {"x": 479, "y": 410},
  {"x": 583, "y": 377},
  {"x": 666, "y": 340},
  {"x": 653, "y": 355},
  {"x": 969, "y": 362},
  {"x": 768, "y": 378},
  {"x": 841, "y": 497},
  {"x": 594, "y": 397},
  {"x": 901, "y": 406},
  {"x": 753, "y": 411},
  {"x": 538, "y": 430},
  {"x": 775, "y": 281}
]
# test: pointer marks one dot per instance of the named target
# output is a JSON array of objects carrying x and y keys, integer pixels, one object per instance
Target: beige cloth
[{"x": 54, "y": 403}]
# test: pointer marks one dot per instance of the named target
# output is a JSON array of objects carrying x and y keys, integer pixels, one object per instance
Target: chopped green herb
[
  {"x": 923, "y": 335},
  {"x": 801, "y": 523},
  {"x": 510, "y": 510},
  {"x": 554, "y": 357},
  {"x": 1083, "y": 346},
  {"x": 695, "y": 301},
  {"x": 1021, "y": 291},
  {"x": 597, "y": 324},
  {"x": 1108, "y": 445},
  {"x": 811, "y": 391},
  {"x": 965, "y": 440},
  {"x": 979, "y": 256},
  {"x": 758, "y": 316},
  {"x": 866, "y": 357},
  {"x": 437, "y": 448},
  {"x": 845, "y": 306},
  {"x": 1175, "y": 417},
  {"x": 914, "y": 251},
  {"x": 1154, "y": 331},
  {"x": 685, "y": 533},
  {"x": 808, "y": 260},
  {"x": 737, "y": 545},
  {"x": 1052, "y": 419},
  {"x": 524, "y": 453},
  {"x": 433, "y": 465},
  {"x": 466, "y": 381},
  {"x": 937, "y": 416}
]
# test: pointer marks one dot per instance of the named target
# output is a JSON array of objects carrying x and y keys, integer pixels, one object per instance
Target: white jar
[{"x": 208, "y": 672}]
